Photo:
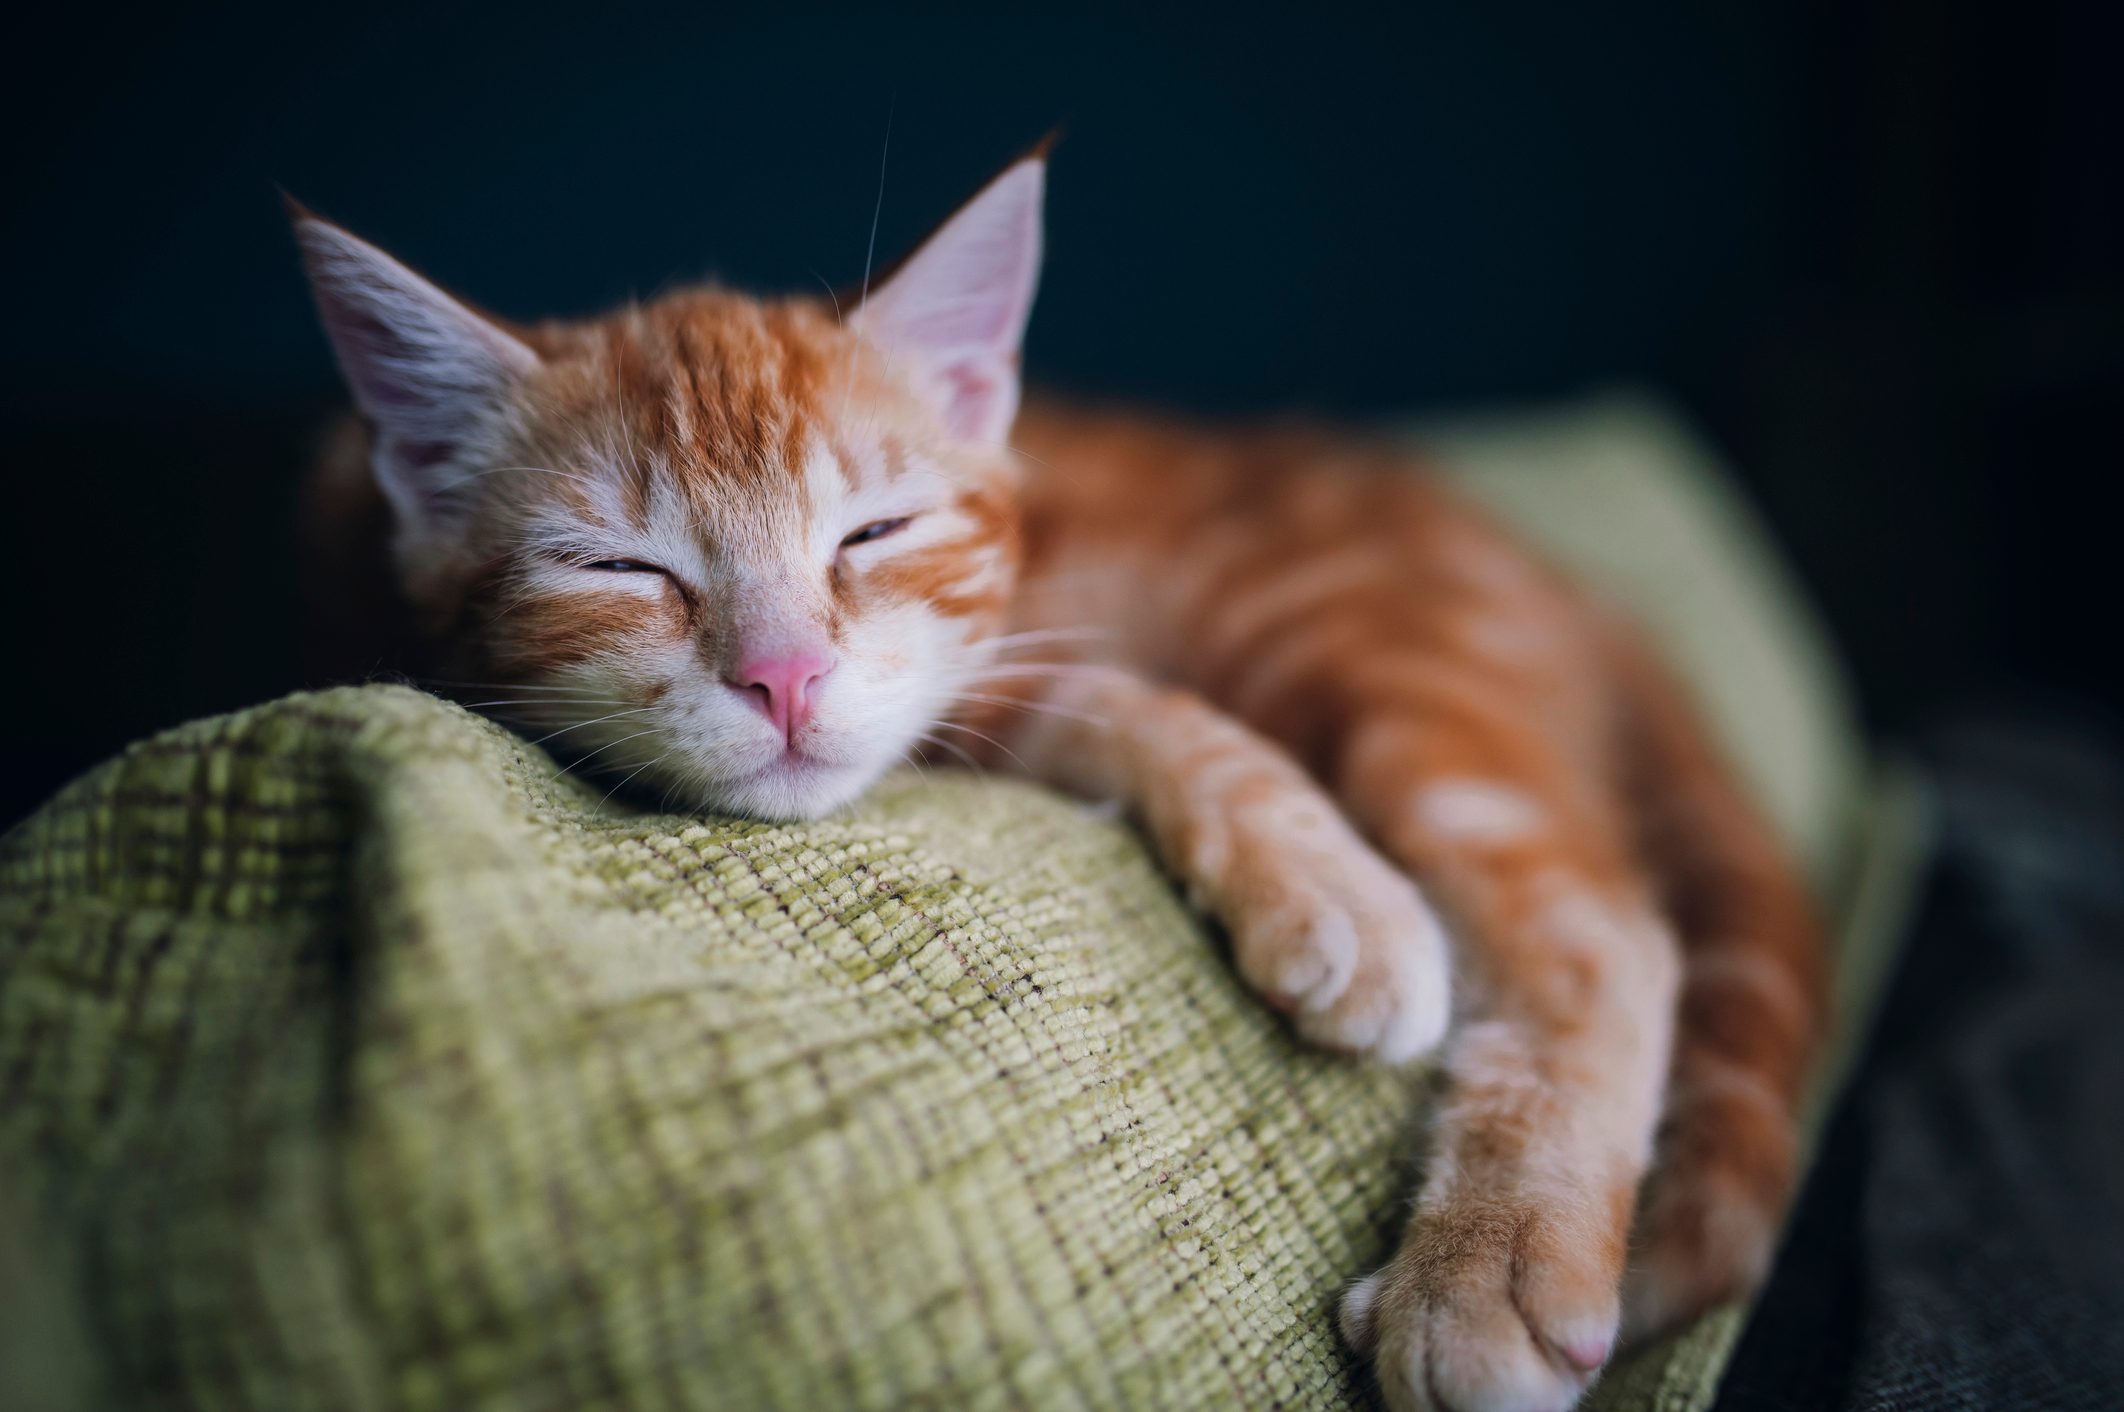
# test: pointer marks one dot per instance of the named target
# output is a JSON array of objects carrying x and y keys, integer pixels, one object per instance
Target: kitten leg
[
  {"x": 1754, "y": 989},
  {"x": 1504, "y": 1291},
  {"x": 1321, "y": 925}
]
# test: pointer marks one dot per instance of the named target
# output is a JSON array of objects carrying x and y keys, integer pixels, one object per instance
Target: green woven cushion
[{"x": 350, "y": 1058}]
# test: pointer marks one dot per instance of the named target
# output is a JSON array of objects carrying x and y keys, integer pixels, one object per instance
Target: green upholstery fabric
[{"x": 350, "y": 1058}]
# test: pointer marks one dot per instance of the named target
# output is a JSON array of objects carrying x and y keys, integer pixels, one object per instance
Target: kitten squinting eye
[
  {"x": 623, "y": 566},
  {"x": 876, "y": 529}
]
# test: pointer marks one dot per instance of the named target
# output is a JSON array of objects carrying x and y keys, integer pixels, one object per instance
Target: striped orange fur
[{"x": 745, "y": 554}]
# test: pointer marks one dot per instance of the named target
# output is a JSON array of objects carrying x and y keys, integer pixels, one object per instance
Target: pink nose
[{"x": 784, "y": 687}]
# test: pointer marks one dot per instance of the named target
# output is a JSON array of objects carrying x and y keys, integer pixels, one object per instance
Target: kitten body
[{"x": 745, "y": 555}]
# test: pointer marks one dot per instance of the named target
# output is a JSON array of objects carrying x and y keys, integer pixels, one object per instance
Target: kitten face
[
  {"x": 738, "y": 552},
  {"x": 756, "y": 564}
]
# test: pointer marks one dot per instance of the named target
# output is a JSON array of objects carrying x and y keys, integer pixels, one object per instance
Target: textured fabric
[
  {"x": 350, "y": 1057},
  {"x": 381, "y": 1070}
]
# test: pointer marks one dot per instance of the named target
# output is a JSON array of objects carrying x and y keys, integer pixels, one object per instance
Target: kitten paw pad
[{"x": 1463, "y": 1322}]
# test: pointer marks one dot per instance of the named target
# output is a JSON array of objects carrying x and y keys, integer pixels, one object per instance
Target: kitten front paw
[
  {"x": 1338, "y": 938},
  {"x": 1481, "y": 1313}
]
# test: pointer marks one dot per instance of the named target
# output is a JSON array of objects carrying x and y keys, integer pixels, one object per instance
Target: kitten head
[{"x": 741, "y": 550}]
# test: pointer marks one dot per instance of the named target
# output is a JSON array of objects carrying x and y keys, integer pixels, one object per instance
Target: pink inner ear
[
  {"x": 973, "y": 296},
  {"x": 426, "y": 370},
  {"x": 949, "y": 328},
  {"x": 972, "y": 396},
  {"x": 957, "y": 308}
]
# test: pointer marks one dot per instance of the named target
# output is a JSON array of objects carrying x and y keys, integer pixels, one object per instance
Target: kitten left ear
[
  {"x": 956, "y": 309},
  {"x": 430, "y": 373}
]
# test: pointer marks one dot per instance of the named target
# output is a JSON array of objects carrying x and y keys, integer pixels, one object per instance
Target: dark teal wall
[{"x": 1877, "y": 248}]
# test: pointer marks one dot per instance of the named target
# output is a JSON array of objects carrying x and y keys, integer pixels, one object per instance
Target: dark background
[{"x": 1875, "y": 250}]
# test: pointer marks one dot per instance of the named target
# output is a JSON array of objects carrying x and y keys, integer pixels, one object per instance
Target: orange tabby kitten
[{"x": 747, "y": 554}]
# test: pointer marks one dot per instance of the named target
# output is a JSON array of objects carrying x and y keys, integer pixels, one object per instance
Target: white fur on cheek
[
  {"x": 703, "y": 746},
  {"x": 658, "y": 715}
]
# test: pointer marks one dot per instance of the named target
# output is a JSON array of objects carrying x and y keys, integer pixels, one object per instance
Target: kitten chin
[{"x": 787, "y": 792}]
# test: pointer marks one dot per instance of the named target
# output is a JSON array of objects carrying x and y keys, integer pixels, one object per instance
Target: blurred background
[{"x": 1875, "y": 250}]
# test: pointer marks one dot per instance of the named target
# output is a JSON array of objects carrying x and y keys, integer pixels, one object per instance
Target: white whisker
[
  {"x": 1020, "y": 639},
  {"x": 510, "y": 685},
  {"x": 830, "y": 294},
  {"x": 1054, "y": 671},
  {"x": 542, "y": 701},
  {"x": 1033, "y": 704},
  {"x": 630, "y": 775},
  {"x": 586, "y": 759},
  {"x": 877, "y": 210},
  {"x": 596, "y": 720},
  {"x": 941, "y": 743},
  {"x": 982, "y": 735}
]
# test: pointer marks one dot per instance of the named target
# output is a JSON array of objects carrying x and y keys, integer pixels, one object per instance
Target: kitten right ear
[
  {"x": 428, "y": 372},
  {"x": 956, "y": 308}
]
